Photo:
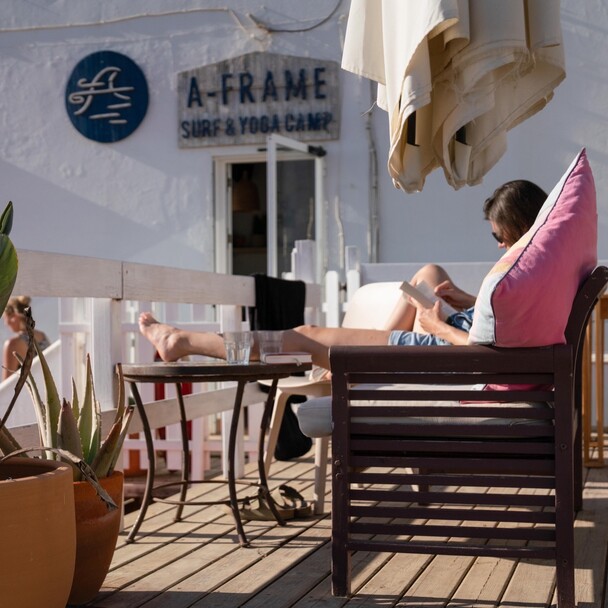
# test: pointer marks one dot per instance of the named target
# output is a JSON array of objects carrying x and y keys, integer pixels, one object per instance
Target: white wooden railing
[{"x": 100, "y": 302}]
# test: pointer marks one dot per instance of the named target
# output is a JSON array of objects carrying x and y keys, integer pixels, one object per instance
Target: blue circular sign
[{"x": 106, "y": 96}]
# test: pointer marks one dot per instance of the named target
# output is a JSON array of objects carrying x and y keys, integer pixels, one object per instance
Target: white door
[
  {"x": 288, "y": 177},
  {"x": 295, "y": 201}
]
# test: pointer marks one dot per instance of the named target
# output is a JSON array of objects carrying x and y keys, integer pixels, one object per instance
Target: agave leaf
[
  {"x": 39, "y": 409},
  {"x": 120, "y": 410},
  {"x": 53, "y": 403},
  {"x": 75, "y": 401},
  {"x": 110, "y": 449},
  {"x": 88, "y": 421},
  {"x": 8, "y": 257},
  {"x": 6, "y": 219},
  {"x": 123, "y": 433},
  {"x": 68, "y": 437},
  {"x": 8, "y": 443},
  {"x": 103, "y": 459}
]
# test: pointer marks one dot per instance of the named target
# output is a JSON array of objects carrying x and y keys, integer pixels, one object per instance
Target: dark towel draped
[{"x": 279, "y": 304}]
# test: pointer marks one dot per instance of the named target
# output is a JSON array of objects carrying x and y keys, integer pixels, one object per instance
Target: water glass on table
[
  {"x": 269, "y": 342},
  {"x": 238, "y": 346}
]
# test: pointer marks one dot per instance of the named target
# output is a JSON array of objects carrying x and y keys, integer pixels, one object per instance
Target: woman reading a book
[{"x": 511, "y": 211}]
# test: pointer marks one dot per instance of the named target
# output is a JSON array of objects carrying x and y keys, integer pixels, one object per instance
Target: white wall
[{"x": 143, "y": 199}]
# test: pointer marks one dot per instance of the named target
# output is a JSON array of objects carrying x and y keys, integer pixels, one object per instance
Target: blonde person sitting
[{"x": 15, "y": 347}]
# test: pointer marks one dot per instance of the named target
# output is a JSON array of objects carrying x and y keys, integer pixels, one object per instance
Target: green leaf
[
  {"x": 75, "y": 401},
  {"x": 8, "y": 443},
  {"x": 52, "y": 404},
  {"x": 89, "y": 418},
  {"x": 68, "y": 437},
  {"x": 6, "y": 219},
  {"x": 108, "y": 454},
  {"x": 129, "y": 411},
  {"x": 8, "y": 257}
]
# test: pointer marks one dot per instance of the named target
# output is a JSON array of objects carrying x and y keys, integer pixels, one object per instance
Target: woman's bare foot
[{"x": 170, "y": 342}]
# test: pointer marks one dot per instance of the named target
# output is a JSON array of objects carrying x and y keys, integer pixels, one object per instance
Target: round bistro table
[{"x": 207, "y": 371}]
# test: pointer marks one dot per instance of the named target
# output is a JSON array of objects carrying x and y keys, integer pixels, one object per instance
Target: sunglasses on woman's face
[{"x": 498, "y": 238}]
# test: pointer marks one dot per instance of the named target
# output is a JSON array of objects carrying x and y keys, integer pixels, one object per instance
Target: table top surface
[{"x": 212, "y": 370}]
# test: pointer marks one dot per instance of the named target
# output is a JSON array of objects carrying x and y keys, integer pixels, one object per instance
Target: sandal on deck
[
  {"x": 257, "y": 509},
  {"x": 286, "y": 497}
]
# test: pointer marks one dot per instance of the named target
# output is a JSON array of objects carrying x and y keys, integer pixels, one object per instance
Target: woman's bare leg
[
  {"x": 318, "y": 340},
  {"x": 172, "y": 343},
  {"x": 403, "y": 316}
]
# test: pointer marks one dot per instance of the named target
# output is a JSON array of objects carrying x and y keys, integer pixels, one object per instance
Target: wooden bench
[{"x": 530, "y": 440}]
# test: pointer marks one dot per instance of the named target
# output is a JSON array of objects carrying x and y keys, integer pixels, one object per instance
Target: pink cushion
[{"x": 526, "y": 298}]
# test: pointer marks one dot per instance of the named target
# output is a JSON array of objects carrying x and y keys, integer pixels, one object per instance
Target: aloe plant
[
  {"x": 70, "y": 431},
  {"x": 76, "y": 427}
]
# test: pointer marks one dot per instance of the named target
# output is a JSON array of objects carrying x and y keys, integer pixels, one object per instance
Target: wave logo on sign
[{"x": 106, "y": 96}]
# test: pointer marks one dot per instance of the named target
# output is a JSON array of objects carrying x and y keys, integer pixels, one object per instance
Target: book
[
  {"x": 426, "y": 297},
  {"x": 287, "y": 357}
]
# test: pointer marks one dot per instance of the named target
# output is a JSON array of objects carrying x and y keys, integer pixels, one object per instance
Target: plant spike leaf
[
  {"x": 120, "y": 410},
  {"x": 110, "y": 449},
  {"x": 128, "y": 414},
  {"x": 40, "y": 410},
  {"x": 87, "y": 421},
  {"x": 6, "y": 219},
  {"x": 53, "y": 403},
  {"x": 68, "y": 437},
  {"x": 8, "y": 443},
  {"x": 75, "y": 401},
  {"x": 8, "y": 257}
]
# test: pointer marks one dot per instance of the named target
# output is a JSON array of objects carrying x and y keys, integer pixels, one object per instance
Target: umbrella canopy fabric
[{"x": 454, "y": 77}]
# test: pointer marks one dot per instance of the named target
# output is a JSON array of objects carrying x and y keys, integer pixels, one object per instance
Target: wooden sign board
[{"x": 244, "y": 99}]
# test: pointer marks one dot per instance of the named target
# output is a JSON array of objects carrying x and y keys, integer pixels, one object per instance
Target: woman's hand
[
  {"x": 431, "y": 319},
  {"x": 454, "y": 295}
]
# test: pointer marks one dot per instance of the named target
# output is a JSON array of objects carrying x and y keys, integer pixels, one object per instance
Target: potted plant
[
  {"x": 71, "y": 445},
  {"x": 72, "y": 432},
  {"x": 37, "y": 523}
]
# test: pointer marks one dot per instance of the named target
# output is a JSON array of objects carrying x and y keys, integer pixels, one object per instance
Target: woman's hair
[
  {"x": 17, "y": 305},
  {"x": 514, "y": 206}
]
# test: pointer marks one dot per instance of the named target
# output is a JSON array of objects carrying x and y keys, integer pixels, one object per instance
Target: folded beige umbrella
[{"x": 454, "y": 77}]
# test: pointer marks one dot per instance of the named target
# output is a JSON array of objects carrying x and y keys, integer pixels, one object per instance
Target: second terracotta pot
[{"x": 97, "y": 531}]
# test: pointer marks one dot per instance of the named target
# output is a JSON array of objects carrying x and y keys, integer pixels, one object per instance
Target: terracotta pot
[
  {"x": 38, "y": 533},
  {"x": 97, "y": 530}
]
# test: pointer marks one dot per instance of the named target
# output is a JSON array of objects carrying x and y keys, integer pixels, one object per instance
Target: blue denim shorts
[{"x": 460, "y": 320}]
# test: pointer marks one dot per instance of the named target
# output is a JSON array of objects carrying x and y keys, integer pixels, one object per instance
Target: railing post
[
  {"x": 230, "y": 320},
  {"x": 332, "y": 299},
  {"x": 106, "y": 348}
]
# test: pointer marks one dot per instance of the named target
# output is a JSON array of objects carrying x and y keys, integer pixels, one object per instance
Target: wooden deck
[{"x": 197, "y": 562}]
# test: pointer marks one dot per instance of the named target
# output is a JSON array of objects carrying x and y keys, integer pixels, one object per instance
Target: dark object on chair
[
  {"x": 480, "y": 446},
  {"x": 280, "y": 305},
  {"x": 291, "y": 443}
]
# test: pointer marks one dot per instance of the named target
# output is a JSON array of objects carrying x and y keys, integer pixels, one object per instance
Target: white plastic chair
[{"x": 369, "y": 308}]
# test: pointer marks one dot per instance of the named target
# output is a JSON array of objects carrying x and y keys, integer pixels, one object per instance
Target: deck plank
[{"x": 198, "y": 563}]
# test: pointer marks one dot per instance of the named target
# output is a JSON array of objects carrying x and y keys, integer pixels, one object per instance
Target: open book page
[{"x": 425, "y": 297}]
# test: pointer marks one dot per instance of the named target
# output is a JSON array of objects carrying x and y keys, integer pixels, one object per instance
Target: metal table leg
[{"x": 147, "y": 497}]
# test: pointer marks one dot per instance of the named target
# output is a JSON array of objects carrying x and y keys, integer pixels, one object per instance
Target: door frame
[
  {"x": 302, "y": 151},
  {"x": 222, "y": 197}
]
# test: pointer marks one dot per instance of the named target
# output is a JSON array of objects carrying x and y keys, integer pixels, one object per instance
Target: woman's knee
[{"x": 433, "y": 274}]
